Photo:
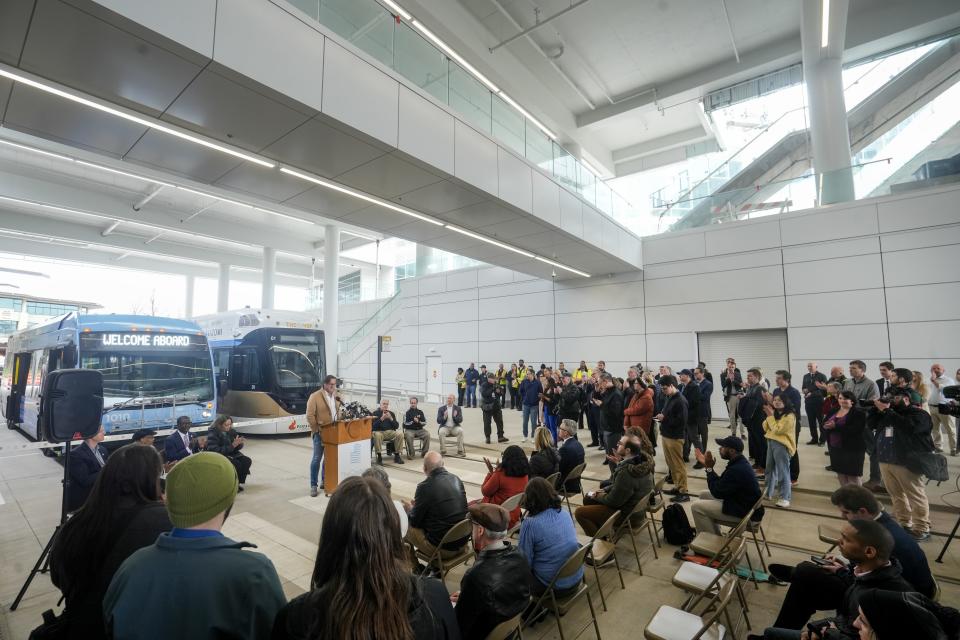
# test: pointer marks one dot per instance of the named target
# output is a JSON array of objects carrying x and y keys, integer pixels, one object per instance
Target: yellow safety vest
[
  {"x": 461, "y": 381},
  {"x": 501, "y": 377},
  {"x": 579, "y": 374}
]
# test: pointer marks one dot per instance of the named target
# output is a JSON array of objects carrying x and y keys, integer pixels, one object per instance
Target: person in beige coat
[{"x": 323, "y": 407}]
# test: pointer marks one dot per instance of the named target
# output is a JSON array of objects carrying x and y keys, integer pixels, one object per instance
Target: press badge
[{"x": 888, "y": 432}]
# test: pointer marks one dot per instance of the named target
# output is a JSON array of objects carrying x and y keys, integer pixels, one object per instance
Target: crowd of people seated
[{"x": 137, "y": 537}]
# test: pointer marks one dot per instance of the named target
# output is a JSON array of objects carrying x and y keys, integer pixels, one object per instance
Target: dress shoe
[
  {"x": 680, "y": 498},
  {"x": 813, "y": 442},
  {"x": 698, "y": 466},
  {"x": 379, "y": 459},
  {"x": 398, "y": 459},
  {"x": 502, "y": 439}
]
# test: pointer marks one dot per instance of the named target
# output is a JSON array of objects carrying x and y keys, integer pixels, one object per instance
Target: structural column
[
  {"x": 331, "y": 258},
  {"x": 188, "y": 302},
  {"x": 223, "y": 287},
  {"x": 269, "y": 276},
  {"x": 823, "y": 29}
]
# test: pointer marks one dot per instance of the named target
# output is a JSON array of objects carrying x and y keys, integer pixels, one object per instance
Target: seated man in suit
[
  {"x": 86, "y": 461},
  {"x": 386, "y": 427},
  {"x": 179, "y": 445},
  {"x": 449, "y": 417},
  {"x": 571, "y": 453}
]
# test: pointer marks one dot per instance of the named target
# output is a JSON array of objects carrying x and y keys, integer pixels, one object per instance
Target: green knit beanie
[{"x": 199, "y": 487}]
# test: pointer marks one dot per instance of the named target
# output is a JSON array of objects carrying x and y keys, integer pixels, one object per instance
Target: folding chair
[
  {"x": 632, "y": 524},
  {"x": 552, "y": 479},
  {"x": 575, "y": 474},
  {"x": 829, "y": 534},
  {"x": 462, "y": 529},
  {"x": 507, "y": 629},
  {"x": 716, "y": 546},
  {"x": 670, "y": 623},
  {"x": 510, "y": 504},
  {"x": 601, "y": 551},
  {"x": 560, "y": 606},
  {"x": 701, "y": 581},
  {"x": 657, "y": 503}
]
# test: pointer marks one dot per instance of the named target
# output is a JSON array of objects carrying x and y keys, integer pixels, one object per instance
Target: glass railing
[
  {"x": 346, "y": 345},
  {"x": 372, "y": 29}
]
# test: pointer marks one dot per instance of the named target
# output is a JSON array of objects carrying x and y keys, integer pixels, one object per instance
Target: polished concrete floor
[{"x": 276, "y": 513}]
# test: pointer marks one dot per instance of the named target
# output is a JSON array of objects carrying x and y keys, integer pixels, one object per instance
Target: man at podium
[{"x": 323, "y": 408}]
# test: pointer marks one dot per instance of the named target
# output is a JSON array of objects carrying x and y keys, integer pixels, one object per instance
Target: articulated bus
[
  {"x": 267, "y": 364},
  {"x": 154, "y": 370}
]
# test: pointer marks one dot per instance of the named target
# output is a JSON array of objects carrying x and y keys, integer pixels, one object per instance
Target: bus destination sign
[{"x": 141, "y": 340}]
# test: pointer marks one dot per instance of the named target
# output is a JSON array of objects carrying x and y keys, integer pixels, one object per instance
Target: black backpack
[{"x": 676, "y": 526}]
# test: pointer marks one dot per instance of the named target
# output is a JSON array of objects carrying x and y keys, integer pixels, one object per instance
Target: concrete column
[
  {"x": 822, "y": 74},
  {"x": 188, "y": 301},
  {"x": 269, "y": 277},
  {"x": 331, "y": 258},
  {"x": 223, "y": 287}
]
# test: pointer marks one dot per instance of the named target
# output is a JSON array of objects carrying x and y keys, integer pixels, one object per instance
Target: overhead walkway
[
  {"x": 257, "y": 99},
  {"x": 789, "y": 158}
]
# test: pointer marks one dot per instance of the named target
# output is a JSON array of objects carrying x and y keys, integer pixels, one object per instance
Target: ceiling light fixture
[
  {"x": 477, "y": 236},
  {"x": 360, "y": 196},
  {"x": 41, "y": 152},
  {"x": 358, "y": 235},
  {"x": 825, "y": 26},
  {"x": 526, "y": 114},
  {"x": 285, "y": 215},
  {"x": 562, "y": 266},
  {"x": 456, "y": 56},
  {"x": 141, "y": 120},
  {"x": 400, "y": 11},
  {"x": 122, "y": 173}
]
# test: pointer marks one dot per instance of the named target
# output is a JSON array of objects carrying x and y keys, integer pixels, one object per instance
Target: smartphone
[{"x": 820, "y": 560}]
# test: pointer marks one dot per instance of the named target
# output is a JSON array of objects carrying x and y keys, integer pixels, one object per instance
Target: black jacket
[
  {"x": 133, "y": 527},
  {"x": 737, "y": 486},
  {"x": 84, "y": 470},
  {"x": 428, "y": 611},
  {"x": 691, "y": 393},
  {"x": 492, "y": 590},
  {"x": 439, "y": 503},
  {"x": 381, "y": 424},
  {"x": 912, "y": 428},
  {"x": 408, "y": 422},
  {"x": 887, "y": 578},
  {"x": 730, "y": 388},
  {"x": 219, "y": 442},
  {"x": 674, "y": 420},
  {"x": 488, "y": 396},
  {"x": 570, "y": 402},
  {"x": 571, "y": 454},
  {"x": 749, "y": 407},
  {"x": 611, "y": 411},
  {"x": 809, "y": 385},
  {"x": 544, "y": 463}
]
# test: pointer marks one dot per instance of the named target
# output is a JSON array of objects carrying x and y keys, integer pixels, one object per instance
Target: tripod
[
  {"x": 43, "y": 562},
  {"x": 953, "y": 533}
]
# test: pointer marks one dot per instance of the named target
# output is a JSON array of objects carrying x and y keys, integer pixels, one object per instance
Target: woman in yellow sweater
[{"x": 780, "y": 430}]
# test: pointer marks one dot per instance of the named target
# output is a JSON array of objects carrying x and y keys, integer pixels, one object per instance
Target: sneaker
[
  {"x": 502, "y": 439},
  {"x": 397, "y": 459},
  {"x": 920, "y": 536},
  {"x": 680, "y": 498},
  {"x": 524, "y": 439},
  {"x": 794, "y": 483},
  {"x": 783, "y": 504},
  {"x": 814, "y": 441},
  {"x": 461, "y": 454},
  {"x": 953, "y": 452},
  {"x": 314, "y": 492},
  {"x": 240, "y": 487}
]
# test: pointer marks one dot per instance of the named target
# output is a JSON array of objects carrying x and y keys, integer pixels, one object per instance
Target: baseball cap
[{"x": 731, "y": 442}]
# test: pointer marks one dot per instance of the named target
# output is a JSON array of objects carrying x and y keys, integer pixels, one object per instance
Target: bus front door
[{"x": 18, "y": 386}]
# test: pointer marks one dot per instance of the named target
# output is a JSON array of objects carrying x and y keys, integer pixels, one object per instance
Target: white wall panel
[
  {"x": 432, "y": 284},
  {"x": 916, "y": 211},
  {"x": 600, "y": 297},
  {"x": 843, "y": 307},
  {"x": 672, "y": 248},
  {"x": 592, "y": 348},
  {"x": 863, "y": 341},
  {"x": 516, "y": 289},
  {"x": 591, "y": 225},
  {"x": 838, "y": 274},
  {"x": 934, "y": 340},
  {"x": 516, "y": 180},
  {"x": 531, "y": 304},
  {"x": 671, "y": 347},
  {"x": 921, "y": 238},
  {"x": 508, "y": 328},
  {"x": 465, "y": 279},
  {"x": 187, "y": 22},
  {"x": 732, "y": 265},
  {"x": 450, "y": 310},
  {"x": 546, "y": 199},
  {"x": 759, "y": 282},
  {"x": 475, "y": 158},
  {"x": 455, "y": 354},
  {"x": 425, "y": 131},
  {"x": 609, "y": 235},
  {"x": 571, "y": 218},
  {"x": 448, "y": 331},
  {"x": 924, "y": 302},
  {"x": 725, "y": 315},
  {"x": 921, "y": 266},
  {"x": 493, "y": 275},
  {"x": 615, "y": 322},
  {"x": 832, "y": 223},
  {"x": 358, "y": 94},
  {"x": 741, "y": 238},
  {"x": 532, "y": 351},
  {"x": 831, "y": 249}
]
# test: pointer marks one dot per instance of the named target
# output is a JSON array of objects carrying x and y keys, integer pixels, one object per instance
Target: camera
[
  {"x": 950, "y": 393},
  {"x": 868, "y": 404}
]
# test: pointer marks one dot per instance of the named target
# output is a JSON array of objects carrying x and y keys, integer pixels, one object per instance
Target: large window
[
  {"x": 296, "y": 361},
  {"x": 186, "y": 376},
  {"x": 348, "y": 288},
  {"x": 49, "y": 308},
  {"x": 7, "y": 327},
  {"x": 11, "y": 303}
]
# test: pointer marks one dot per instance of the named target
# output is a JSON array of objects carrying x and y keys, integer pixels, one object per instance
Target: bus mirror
[{"x": 71, "y": 404}]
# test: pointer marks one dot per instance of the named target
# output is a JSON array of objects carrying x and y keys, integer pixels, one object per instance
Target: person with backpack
[{"x": 731, "y": 494}]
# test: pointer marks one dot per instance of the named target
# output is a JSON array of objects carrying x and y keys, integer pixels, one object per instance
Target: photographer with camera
[
  {"x": 941, "y": 418},
  {"x": 903, "y": 443}
]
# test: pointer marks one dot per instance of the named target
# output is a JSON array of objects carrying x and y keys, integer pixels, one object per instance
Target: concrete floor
[{"x": 276, "y": 513}]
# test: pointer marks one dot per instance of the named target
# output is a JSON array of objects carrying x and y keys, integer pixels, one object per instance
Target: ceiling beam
[{"x": 669, "y": 141}]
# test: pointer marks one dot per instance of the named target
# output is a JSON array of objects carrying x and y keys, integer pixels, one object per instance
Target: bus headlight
[{"x": 205, "y": 414}]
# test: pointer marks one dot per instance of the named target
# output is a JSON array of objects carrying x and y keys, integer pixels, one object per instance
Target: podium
[{"x": 346, "y": 450}]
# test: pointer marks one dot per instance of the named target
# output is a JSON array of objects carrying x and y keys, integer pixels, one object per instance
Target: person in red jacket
[
  {"x": 507, "y": 479},
  {"x": 639, "y": 412}
]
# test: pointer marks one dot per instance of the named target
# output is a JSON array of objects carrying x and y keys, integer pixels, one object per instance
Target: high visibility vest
[
  {"x": 501, "y": 377},
  {"x": 461, "y": 381},
  {"x": 517, "y": 376},
  {"x": 580, "y": 374}
]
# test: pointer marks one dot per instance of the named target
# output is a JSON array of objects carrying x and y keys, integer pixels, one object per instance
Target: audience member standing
[
  {"x": 415, "y": 428},
  {"x": 449, "y": 417},
  {"x": 568, "y": 406},
  {"x": 223, "y": 439},
  {"x": 751, "y": 401},
  {"x": 844, "y": 429},
  {"x": 231, "y": 592},
  {"x": 471, "y": 378},
  {"x": 593, "y": 392},
  {"x": 530, "y": 391},
  {"x": 323, "y": 408},
  {"x": 513, "y": 386},
  {"x": 706, "y": 411},
  {"x": 786, "y": 389},
  {"x": 639, "y": 411},
  {"x": 863, "y": 388},
  {"x": 813, "y": 402},
  {"x": 886, "y": 379},
  {"x": 691, "y": 393},
  {"x": 124, "y": 512},
  {"x": 673, "y": 427},
  {"x": 386, "y": 427},
  {"x": 939, "y": 380},
  {"x": 549, "y": 400},
  {"x": 493, "y": 590},
  {"x": 732, "y": 385},
  {"x": 461, "y": 386},
  {"x": 360, "y": 587},
  {"x": 492, "y": 410},
  {"x": 610, "y": 404},
  {"x": 86, "y": 461},
  {"x": 780, "y": 431}
]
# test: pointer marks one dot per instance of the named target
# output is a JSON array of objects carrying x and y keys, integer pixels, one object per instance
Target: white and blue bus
[{"x": 154, "y": 370}]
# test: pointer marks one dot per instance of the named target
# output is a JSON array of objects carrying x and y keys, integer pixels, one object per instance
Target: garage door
[{"x": 766, "y": 349}]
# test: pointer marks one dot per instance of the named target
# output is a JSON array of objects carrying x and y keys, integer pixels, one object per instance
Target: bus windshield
[{"x": 296, "y": 361}]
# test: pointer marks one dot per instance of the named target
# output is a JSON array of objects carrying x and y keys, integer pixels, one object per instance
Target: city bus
[
  {"x": 267, "y": 363},
  {"x": 154, "y": 370}
]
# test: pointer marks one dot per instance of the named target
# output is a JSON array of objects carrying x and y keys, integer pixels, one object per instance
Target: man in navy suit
[
  {"x": 85, "y": 464},
  {"x": 571, "y": 453},
  {"x": 179, "y": 444}
]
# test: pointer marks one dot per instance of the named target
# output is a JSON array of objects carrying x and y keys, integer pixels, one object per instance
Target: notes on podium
[{"x": 346, "y": 450}]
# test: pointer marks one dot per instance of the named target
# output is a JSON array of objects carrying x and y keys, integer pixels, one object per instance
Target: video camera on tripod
[{"x": 951, "y": 408}]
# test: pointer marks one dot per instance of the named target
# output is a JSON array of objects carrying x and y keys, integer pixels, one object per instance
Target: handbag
[{"x": 54, "y": 627}]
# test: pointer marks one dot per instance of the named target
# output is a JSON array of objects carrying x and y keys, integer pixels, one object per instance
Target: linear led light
[
  {"x": 477, "y": 236},
  {"x": 360, "y": 196},
  {"x": 456, "y": 56},
  {"x": 122, "y": 173},
  {"x": 40, "y": 151},
  {"x": 562, "y": 266},
  {"x": 825, "y": 26},
  {"x": 146, "y": 122},
  {"x": 400, "y": 11},
  {"x": 358, "y": 235},
  {"x": 285, "y": 215},
  {"x": 526, "y": 114}
]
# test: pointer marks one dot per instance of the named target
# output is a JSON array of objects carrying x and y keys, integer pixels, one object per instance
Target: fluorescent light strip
[
  {"x": 360, "y": 196},
  {"x": 825, "y": 25},
  {"x": 400, "y": 11},
  {"x": 284, "y": 215},
  {"x": 477, "y": 236},
  {"x": 526, "y": 114},
  {"x": 40, "y": 151},
  {"x": 456, "y": 56},
  {"x": 152, "y": 124},
  {"x": 358, "y": 235},
  {"x": 123, "y": 173},
  {"x": 561, "y": 266}
]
